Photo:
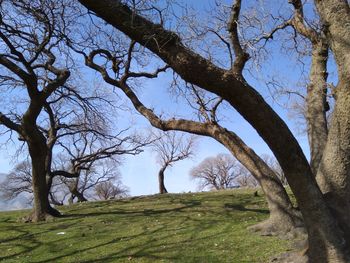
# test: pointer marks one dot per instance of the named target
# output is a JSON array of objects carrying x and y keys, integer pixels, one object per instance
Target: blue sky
[{"x": 139, "y": 173}]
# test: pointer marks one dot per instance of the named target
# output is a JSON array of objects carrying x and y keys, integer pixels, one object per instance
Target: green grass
[{"x": 201, "y": 227}]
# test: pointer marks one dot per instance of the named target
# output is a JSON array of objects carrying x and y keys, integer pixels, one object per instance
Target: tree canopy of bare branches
[{"x": 219, "y": 172}]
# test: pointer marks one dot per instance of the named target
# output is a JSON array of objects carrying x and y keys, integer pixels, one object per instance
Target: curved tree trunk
[
  {"x": 162, "y": 189},
  {"x": 281, "y": 208}
]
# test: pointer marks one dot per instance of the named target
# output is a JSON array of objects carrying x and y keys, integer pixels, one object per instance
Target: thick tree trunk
[
  {"x": 325, "y": 238},
  {"x": 42, "y": 207},
  {"x": 162, "y": 189},
  {"x": 317, "y": 105},
  {"x": 40, "y": 191},
  {"x": 38, "y": 153},
  {"x": 334, "y": 173}
]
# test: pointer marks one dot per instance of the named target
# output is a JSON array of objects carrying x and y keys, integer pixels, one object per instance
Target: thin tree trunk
[{"x": 162, "y": 189}]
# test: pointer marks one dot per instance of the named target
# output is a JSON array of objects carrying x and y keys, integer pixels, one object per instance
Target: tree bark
[
  {"x": 42, "y": 207},
  {"x": 317, "y": 105},
  {"x": 334, "y": 173},
  {"x": 162, "y": 189},
  {"x": 326, "y": 240},
  {"x": 38, "y": 153}
]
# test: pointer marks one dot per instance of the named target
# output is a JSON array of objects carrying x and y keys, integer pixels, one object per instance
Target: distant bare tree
[
  {"x": 245, "y": 178},
  {"x": 92, "y": 159},
  {"x": 18, "y": 181},
  {"x": 109, "y": 190},
  {"x": 171, "y": 147},
  {"x": 219, "y": 172}
]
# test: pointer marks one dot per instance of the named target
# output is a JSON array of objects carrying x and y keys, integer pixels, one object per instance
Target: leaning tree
[{"x": 328, "y": 233}]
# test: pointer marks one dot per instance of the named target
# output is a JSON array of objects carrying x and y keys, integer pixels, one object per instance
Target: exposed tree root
[
  {"x": 47, "y": 216},
  {"x": 298, "y": 253},
  {"x": 271, "y": 227},
  {"x": 288, "y": 226}
]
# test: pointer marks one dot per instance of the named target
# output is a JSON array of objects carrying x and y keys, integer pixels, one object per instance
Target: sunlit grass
[{"x": 201, "y": 227}]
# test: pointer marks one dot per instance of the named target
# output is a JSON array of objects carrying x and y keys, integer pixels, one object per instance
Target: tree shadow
[
  {"x": 242, "y": 208},
  {"x": 187, "y": 204}
]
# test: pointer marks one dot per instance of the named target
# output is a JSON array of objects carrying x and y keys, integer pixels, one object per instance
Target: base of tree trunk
[
  {"x": 290, "y": 227},
  {"x": 291, "y": 257},
  {"x": 47, "y": 216},
  {"x": 276, "y": 228},
  {"x": 297, "y": 253}
]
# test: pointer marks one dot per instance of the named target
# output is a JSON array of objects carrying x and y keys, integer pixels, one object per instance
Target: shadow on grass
[
  {"x": 152, "y": 242},
  {"x": 151, "y": 249},
  {"x": 25, "y": 235},
  {"x": 242, "y": 208},
  {"x": 138, "y": 212}
]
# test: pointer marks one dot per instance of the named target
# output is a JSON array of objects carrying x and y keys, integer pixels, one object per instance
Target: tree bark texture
[
  {"x": 283, "y": 217},
  {"x": 38, "y": 153},
  {"x": 334, "y": 173},
  {"x": 317, "y": 105}
]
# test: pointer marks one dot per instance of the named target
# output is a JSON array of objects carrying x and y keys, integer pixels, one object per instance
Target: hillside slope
[{"x": 193, "y": 227}]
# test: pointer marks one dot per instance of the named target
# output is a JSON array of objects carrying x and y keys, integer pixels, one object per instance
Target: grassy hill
[{"x": 193, "y": 227}]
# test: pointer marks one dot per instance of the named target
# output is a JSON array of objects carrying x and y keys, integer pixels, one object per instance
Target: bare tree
[
  {"x": 171, "y": 147},
  {"x": 328, "y": 241},
  {"x": 109, "y": 190},
  {"x": 246, "y": 179},
  {"x": 89, "y": 159},
  {"x": 30, "y": 42},
  {"x": 18, "y": 181},
  {"x": 219, "y": 172}
]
